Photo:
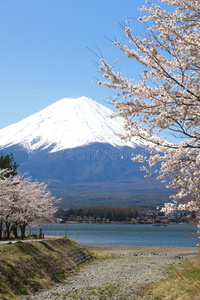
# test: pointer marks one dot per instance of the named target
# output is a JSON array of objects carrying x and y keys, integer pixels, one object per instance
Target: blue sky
[{"x": 44, "y": 55}]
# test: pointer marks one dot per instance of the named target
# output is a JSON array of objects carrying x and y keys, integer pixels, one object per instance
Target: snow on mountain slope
[{"x": 68, "y": 123}]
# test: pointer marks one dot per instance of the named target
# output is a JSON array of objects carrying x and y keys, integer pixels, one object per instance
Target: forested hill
[{"x": 99, "y": 213}]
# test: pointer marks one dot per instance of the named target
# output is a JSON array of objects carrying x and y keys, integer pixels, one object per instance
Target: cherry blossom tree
[
  {"x": 5, "y": 185},
  {"x": 167, "y": 98},
  {"x": 36, "y": 204},
  {"x": 22, "y": 202}
]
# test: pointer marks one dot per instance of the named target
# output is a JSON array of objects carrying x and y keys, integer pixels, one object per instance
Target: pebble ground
[{"x": 120, "y": 277}]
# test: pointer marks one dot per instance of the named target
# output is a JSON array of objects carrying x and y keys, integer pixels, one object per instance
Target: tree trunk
[
  {"x": 8, "y": 230},
  {"x": 23, "y": 228},
  {"x": 1, "y": 228},
  {"x": 14, "y": 227}
]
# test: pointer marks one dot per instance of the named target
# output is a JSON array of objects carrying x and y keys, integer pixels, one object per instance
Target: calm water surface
[{"x": 124, "y": 234}]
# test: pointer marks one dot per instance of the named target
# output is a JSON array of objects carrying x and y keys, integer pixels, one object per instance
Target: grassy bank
[
  {"x": 182, "y": 283},
  {"x": 27, "y": 267}
]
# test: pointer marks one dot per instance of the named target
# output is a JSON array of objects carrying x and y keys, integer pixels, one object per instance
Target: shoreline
[
  {"x": 192, "y": 250},
  {"x": 147, "y": 249},
  {"x": 121, "y": 275}
]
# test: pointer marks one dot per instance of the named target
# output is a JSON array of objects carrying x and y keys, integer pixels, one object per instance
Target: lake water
[{"x": 124, "y": 234}]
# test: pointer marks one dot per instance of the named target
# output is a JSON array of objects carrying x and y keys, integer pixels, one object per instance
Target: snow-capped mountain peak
[{"x": 68, "y": 123}]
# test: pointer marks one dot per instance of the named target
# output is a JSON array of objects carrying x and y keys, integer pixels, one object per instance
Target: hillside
[{"x": 27, "y": 267}]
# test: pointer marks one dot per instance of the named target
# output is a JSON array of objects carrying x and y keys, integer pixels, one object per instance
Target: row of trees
[
  {"x": 167, "y": 97},
  {"x": 22, "y": 201},
  {"x": 100, "y": 213}
]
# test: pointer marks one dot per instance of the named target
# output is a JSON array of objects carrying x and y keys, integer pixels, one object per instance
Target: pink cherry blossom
[
  {"x": 23, "y": 201},
  {"x": 167, "y": 98}
]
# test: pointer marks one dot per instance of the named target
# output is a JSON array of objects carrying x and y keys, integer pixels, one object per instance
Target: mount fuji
[
  {"x": 76, "y": 147},
  {"x": 68, "y": 123}
]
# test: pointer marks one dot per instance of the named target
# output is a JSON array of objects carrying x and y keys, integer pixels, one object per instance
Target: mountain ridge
[{"x": 68, "y": 123}]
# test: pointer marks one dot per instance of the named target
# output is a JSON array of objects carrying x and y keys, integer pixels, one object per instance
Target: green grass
[
  {"x": 27, "y": 267},
  {"x": 99, "y": 292},
  {"x": 104, "y": 292},
  {"x": 182, "y": 283},
  {"x": 7, "y": 296}
]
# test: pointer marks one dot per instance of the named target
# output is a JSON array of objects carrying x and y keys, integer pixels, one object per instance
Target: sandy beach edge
[
  {"x": 173, "y": 250},
  {"x": 146, "y": 249}
]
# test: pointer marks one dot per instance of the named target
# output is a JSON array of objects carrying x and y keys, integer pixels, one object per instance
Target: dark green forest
[{"x": 99, "y": 214}]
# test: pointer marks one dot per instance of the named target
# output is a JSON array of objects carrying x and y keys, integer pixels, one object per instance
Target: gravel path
[{"x": 119, "y": 277}]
